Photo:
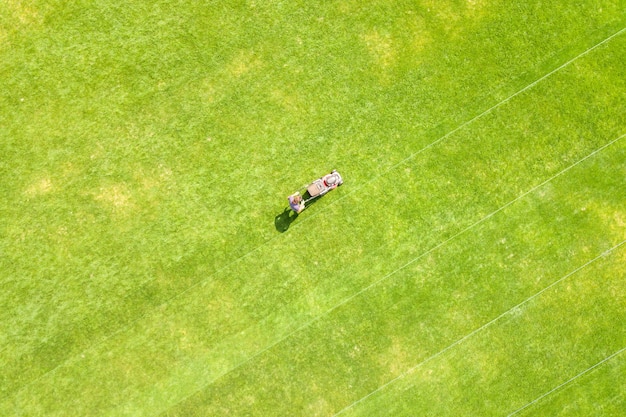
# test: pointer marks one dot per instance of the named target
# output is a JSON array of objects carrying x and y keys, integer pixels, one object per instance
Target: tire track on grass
[
  {"x": 572, "y": 379},
  {"x": 108, "y": 337},
  {"x": 486, "y": 325},
  {"x": 412, "y": 261}
]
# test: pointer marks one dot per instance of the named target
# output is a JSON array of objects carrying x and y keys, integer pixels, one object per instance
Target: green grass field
[{"x": 472, "y": 264}]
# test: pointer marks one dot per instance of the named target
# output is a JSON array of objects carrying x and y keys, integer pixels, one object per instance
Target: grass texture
[{"x": 472, "y": 263}]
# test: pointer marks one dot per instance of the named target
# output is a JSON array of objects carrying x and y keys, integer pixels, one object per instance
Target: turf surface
[{"x": 472, "y": 264}]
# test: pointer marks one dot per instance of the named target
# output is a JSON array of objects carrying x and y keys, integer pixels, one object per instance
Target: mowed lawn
[{"x": 473, "y": 262}]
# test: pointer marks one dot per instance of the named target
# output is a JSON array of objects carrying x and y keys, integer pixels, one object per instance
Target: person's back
[{"x": 296, "y": 203}]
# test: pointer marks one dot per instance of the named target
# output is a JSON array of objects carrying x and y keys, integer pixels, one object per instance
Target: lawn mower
[{"x": 316, "y": 189}]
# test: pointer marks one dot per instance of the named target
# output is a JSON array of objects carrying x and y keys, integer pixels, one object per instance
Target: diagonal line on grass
[
  {"x": 411, "y": 156},
  {"x": 434, "y": 248},
  {"x": 572, "y": 379},
  {"x": 471, "y": 226},
  {"x": 484, "y": 326},
  {"x": 468, "y": 122}
]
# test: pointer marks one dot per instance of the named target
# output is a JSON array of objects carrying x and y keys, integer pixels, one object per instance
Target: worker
[{"x": 296, "y": 202}]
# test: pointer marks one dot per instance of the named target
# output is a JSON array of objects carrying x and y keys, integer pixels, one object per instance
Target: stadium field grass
[{"x": 472, "y": 263}]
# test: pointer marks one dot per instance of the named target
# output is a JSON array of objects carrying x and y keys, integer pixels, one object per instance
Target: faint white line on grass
[
  {"x": 201, "y": 282},
  {"x": 426, "y": 148},
  {"x": 462, "y": 125},
  {"x": 484, "y": 326},
  {"x": 591, "y": 368},
  {"x": 402, "y": 162},
  {"x": 466, "y": 123},
  {"x": 327, "y": 312},
  {"x": 487, "y": 217}
]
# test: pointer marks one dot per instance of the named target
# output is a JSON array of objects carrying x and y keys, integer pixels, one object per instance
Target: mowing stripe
[
  {"x": 591, "y": 368},
  {"x": 484, "y": 326},
  {"x": 326, "y": 313},
  {"x": 417, "y": 153},
  {"x": 201, "y": 282},
  {"x": 487, "y": 217},
  {"x": 464, "y": 124}
]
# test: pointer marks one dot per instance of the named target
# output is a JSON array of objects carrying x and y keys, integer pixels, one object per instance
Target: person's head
[{"x": 297, "y": 199}]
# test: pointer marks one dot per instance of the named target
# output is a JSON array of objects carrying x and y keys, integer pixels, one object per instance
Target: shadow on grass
[{"x": 283, "y": 220}]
